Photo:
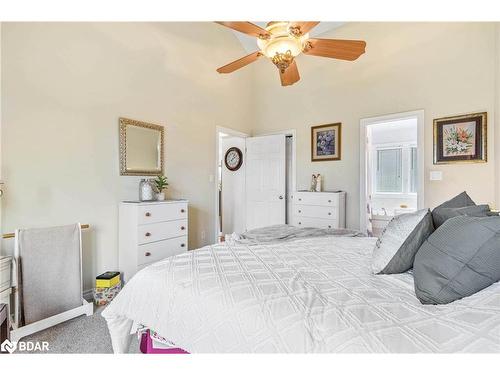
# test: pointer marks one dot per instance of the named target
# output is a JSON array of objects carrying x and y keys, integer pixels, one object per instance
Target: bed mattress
[{"x": 306, "y": 295}]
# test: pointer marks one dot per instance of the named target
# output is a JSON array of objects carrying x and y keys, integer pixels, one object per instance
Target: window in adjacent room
[{"x": 395, "y": 169}]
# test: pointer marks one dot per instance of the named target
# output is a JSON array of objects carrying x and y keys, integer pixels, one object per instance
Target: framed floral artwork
[
  {"x": 460, "y": 139},
  {"x": 326, "y": 142}
]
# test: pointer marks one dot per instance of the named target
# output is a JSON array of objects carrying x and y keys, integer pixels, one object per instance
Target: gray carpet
[{"x": 84, "y": 334}]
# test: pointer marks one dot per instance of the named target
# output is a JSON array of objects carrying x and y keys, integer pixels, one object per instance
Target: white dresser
[
  {"x": 319, "y": 209},
  {"x": 5, "y": 282},
  {"x": 149, "y": 232}
]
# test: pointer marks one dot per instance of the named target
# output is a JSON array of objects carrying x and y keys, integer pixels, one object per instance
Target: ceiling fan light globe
[
  {"x": 282, "y": 45},
  {"x": 281, "y": 41}
]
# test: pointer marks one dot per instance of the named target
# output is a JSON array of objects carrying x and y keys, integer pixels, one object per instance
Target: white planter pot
[{"x": 160, "y": 196}]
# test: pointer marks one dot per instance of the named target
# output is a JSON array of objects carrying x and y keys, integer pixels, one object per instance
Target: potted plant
[{"x": 160, "y": 184}]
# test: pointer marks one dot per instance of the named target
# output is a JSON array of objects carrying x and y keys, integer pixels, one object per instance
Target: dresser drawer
[
  {"x": 161, "y": 231},
  {"x": 5, "y": 276},
  {"x": 162, "y": 212},
  {"x": 320, "y": 212},
  {"x": 316, "y": 199},
  {"x": 153, "y": 252},
  {"x": 315, "y": 223}
]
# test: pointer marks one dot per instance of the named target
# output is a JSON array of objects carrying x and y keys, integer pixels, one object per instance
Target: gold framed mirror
[{"x": 141, "y": 148}]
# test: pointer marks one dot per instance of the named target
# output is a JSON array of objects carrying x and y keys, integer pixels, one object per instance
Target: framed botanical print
[
  {"x": 326, "y": 142},
  {"x": 461, "y": 139}
]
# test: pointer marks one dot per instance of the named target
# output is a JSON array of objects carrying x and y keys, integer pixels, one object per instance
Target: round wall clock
[{"x": 233, "y": 159}]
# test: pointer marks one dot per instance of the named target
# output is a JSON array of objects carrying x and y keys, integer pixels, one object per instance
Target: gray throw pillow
[
  {"x": 396, "y": 248},
  {"x": 461, "y": 200},
  {"x": 459, "y": 259},
  {"x": 444, "y": 213}
]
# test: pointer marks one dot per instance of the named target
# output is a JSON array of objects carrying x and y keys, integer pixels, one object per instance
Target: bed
[{"x": 299, "y": 294}]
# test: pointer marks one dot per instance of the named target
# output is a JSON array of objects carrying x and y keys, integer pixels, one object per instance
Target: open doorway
[
  {"x": 260, "y": 191},
  {"x": 391, "y": 168},
  {"x": 230, "y": 184}
]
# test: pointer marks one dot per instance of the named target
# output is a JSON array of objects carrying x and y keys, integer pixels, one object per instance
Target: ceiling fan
[{"x": 282, "y": 41}]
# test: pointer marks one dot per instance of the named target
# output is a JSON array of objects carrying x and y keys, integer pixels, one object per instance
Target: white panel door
[{"x": 265, "y": 181}]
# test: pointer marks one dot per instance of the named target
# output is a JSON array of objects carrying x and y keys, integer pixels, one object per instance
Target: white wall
[
  {"x": 1, "y": 185},
  {"x": 65, "y": 85},
  {"x": 233, "y": 190},
  {"x": 400, "y": 131},
  {"x": 443, "y": 68},
  {"x": 0, "y": 115},
  {"x": 497, "y": 115}
]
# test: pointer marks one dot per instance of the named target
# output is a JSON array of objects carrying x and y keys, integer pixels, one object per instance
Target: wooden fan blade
[
  {"x": 335, "y": 48},
  {"x": 247, "y": 28},
  {"x": 303, "y": 26},
  {"x": 240, "y": 63},
  {"x": 290, "y": 75}
]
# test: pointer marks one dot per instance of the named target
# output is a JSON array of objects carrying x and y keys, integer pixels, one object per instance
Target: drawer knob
[
  {"x": 329, "y": 226},
  {"x": 300, "y": 223},
  {"x": 300, "y": 199},
  {"x": 182, "y": 228},
  {"x": 183, "y": 210},
  {"x": 300, "y": 211},
  {"x": 148, "y": 234},
  {"x": 329, "y": 201},
  {"x": 148, "y": 214},
  {"x": 147, "y": 254},
  {"x": 183, "y": 244},
  {"x": 329, "y": 213}
]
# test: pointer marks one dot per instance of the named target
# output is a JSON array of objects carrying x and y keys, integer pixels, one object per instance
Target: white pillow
[{"x": 396, "y": 249}]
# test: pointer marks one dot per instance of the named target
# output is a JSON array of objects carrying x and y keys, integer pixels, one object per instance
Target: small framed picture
[
  {"x": 461, "y": 139},
  {"x": 326, "y": 142}
]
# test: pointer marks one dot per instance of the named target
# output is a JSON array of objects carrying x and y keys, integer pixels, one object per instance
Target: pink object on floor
[{"x": 147, "y": 346}]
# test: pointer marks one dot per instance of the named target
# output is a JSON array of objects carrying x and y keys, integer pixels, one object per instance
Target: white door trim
[
  {"x": 419, "y": 115},
  {"x": 234, "y": 133}
]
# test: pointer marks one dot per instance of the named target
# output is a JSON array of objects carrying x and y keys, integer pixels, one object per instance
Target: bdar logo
[
  {"x": 24, "y": 346},
  {"x": 8, "y": 346}
]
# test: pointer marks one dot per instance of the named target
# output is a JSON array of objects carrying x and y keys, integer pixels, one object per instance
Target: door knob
[{"x": 281, "y": 197}]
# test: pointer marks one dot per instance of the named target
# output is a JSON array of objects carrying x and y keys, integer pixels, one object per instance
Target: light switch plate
[{"x": 436, "y": 175}]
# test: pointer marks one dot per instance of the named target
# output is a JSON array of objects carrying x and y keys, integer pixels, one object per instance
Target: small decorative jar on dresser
[
  {"x": 319, "y": 209},
  {"x": 149, "y": 232}
]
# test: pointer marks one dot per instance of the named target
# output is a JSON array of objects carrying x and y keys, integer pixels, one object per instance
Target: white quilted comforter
[{"x": 306, "y": 295}]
